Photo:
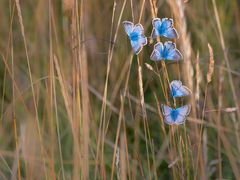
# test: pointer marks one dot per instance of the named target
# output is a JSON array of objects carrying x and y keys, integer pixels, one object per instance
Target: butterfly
[
  {"x": 164, "y": 28},
  {"x": 136, "y": 36},
  {"x": 178, "y": 90},
  {"x": 175, "y": 116},
  {"x": 167, "y": 51}
]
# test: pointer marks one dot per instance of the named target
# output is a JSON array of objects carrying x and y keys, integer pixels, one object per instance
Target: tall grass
[{"x": 76, "y": 103}]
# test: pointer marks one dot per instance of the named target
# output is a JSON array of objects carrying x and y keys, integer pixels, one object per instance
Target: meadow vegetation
[{"x": 76, "y": 103}]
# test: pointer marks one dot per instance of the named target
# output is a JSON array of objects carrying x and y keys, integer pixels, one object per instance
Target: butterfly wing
[
  {"x": 168, "y": 120},
  {"x": 180, "y": 120},
  {"x": 169, "y": 46},
  {"x": 174, "y": 55},
  {"x": 154, "y": 34},
  {"x": 159, "y": 47},
  {"x": 167, "y": 23},
  {"x": 143, "y": 40},
  {"x": 138, "y": 28},
  {"x": 174, "y": 87},
  {"x": 176, "y": 84},
  {"x": 157, "y": 52},
  {"x": 155, "y": 56},
  {"x": 170, "y": 33},
  {"x": 167, "y": 28},
  {"x": 171, "y": 52},
  {"x": 178, "y": 90},
  {"x": 166, "y": 111},
  {"x": 183, "y": 112},
  {"x": 183, "y": 91},
  {"x": 128, "y": 27},
  {"x": 136, "y": 46},
  {"x": 156, "y": 22}
]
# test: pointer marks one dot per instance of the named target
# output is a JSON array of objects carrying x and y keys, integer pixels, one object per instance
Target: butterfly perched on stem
[
  {"x": 136, "y": 35},
  {"x": 166, "y": 51},
  {"x": 175, "y": 116},
  {"x": 178, "y": 89},
  {"x": 164, "y": 28}
]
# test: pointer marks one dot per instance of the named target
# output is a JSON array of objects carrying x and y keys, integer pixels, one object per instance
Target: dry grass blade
[
  {"x": 123, "y": 163},
  {"x": 14, "y": 100},
  {"x": 117, "y": 137},
  {"x": 149, "y": 67},
  {"x": 31, "y": 79},
  {"x": 220, "y": 103},
  {"x": 211, "y": 64},
  {"x": 198, "y": 78},
  {"x": 226, "y": 56},
  {"x": 63, "y": 88},
  {"x": 178, "y": 9},
  {"x": 103, "y": 127}
]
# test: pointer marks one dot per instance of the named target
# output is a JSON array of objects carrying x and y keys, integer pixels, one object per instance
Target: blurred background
[{"x": 76, "y": 103}]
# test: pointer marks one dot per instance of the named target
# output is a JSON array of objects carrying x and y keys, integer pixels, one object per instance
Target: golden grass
[{"x": 76, "y": 103}]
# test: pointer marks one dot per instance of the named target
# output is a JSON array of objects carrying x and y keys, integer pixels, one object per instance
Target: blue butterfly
[
  {"x": 164, "y": 28},
  {"x": 178, "y": 90},
  {"x": 136, "y": 36},
  {"x": 175, "y": 116},
  {"x": 167, "y": 51}
]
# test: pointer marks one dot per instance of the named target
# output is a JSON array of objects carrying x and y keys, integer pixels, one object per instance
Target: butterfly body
[
  {"x": 166, "y": 51},
  {"x": 178, "y": 89},
  {"x": 136, "y": 36},
  {"x": 174, "y": 93},
  {"x": 164, "y": 28},
  {"x": 175, "y": 116}
]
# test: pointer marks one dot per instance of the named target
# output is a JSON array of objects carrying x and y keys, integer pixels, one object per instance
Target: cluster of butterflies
[
  {"x": 167, "y": 51},
  {"x": 164, "y": 27}
]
